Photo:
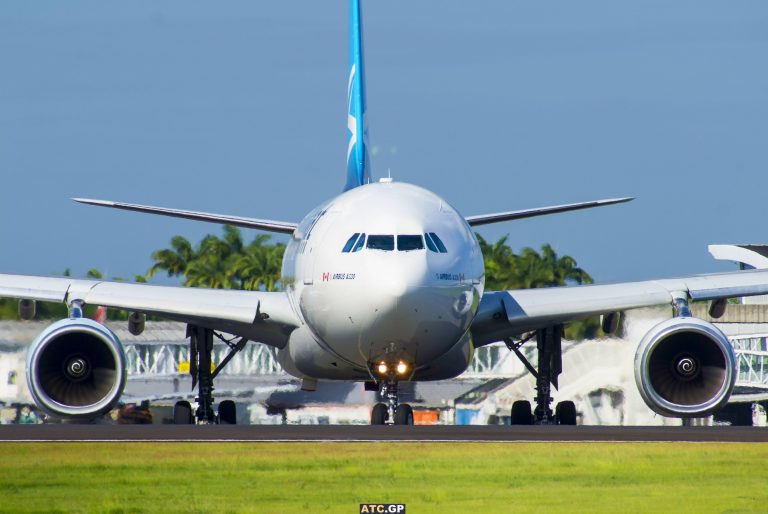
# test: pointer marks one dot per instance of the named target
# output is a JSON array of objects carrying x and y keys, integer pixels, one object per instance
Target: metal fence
[
  {"x": 172, "y": 358},
  {"x": 152, "y": 359},
  {"x": 752, "y": 359}
]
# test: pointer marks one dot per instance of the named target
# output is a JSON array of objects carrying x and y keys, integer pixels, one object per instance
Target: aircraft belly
[{"x": 306, "y": 356}]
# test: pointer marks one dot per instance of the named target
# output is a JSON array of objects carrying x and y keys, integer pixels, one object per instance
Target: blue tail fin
[{"x": 358, "y": 166}]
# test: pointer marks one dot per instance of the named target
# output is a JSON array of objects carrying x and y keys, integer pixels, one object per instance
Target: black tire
[
  {"x": 227, "y": 413},
  {"x": 521, "y": 413},
  {"x": 379, "y": 414},
  {"x": 565, "y": 413},
  {"x": 404, "y": 414},
  {"x": 182, "y": 413}
]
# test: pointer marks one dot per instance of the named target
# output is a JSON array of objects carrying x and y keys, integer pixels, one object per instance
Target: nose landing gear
[{"x": 390, "y": 411}]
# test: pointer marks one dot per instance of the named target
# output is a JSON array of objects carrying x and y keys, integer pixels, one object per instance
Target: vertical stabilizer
[{"x": 358, "y": 166}]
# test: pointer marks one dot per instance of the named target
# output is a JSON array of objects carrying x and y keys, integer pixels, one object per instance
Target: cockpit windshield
[
  {"x": 408, "y": 243},
  {"x": 386, "y": 242},
  {"x": 379, "y": 242}
]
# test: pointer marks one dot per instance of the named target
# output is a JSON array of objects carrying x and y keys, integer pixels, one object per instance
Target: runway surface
[{"x": 344, "y": 433}]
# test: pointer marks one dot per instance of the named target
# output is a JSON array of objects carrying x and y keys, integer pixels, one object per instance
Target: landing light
[
  {"x": 382, "y": 368},
  {"x": 401, "y": 368}
]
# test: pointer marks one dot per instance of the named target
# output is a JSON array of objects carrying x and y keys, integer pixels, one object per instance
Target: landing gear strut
[
  {"x": 200, "y": 349},
  {"x": 391, "y": 412},
  {"x": 200, "y": 364},
  {"x": 550, "y": 366}
]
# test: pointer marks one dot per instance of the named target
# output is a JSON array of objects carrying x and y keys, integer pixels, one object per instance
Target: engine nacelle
[
  {"x": 685, "y": 367},
  {"x": 76, "y": 369}
]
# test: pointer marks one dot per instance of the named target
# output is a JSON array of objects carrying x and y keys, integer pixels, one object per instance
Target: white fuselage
[{"x": 396, "y": 294}]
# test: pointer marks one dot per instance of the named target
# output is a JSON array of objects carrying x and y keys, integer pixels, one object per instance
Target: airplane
[{"x": 384, "y": 283}]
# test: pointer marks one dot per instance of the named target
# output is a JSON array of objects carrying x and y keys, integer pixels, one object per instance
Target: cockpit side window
[
  {"x": 360, "y": 243},
  {"x": 380, "y": 242},
  {"x": 430, "y": 243},
  {"x": 406, "y": 243},
  {"x": 350, "y": 243},
  {"x": 440, "y": 246}
]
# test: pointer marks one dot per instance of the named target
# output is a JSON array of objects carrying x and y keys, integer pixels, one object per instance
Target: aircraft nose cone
[{"x": 394, "y": 288}]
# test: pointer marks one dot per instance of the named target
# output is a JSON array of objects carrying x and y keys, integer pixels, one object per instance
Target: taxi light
[
  {"x": 401, "y": 368},
  {"x": 382, "y": 368}
]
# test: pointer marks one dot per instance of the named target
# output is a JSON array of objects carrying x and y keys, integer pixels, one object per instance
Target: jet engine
[
  {"x": 76, "y": 369},
  {"x": 685, "y": 367}
]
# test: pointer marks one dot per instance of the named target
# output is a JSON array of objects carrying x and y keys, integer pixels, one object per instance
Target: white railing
[
  {"x": 172, "y": 358},
  {"x": 752, "y": 359},
  {"x": 492, "y": 361}
]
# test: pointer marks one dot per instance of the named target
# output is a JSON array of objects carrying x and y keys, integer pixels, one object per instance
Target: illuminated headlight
[
  {"x": 382, "y": 368},
  {"x": 401, "y": 368}
]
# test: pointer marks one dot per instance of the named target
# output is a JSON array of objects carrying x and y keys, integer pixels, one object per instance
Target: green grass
[{"x": 428, "y": 477}]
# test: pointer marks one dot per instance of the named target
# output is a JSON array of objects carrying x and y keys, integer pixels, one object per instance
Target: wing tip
[
  {"x": 91, "y": 201},
  {"x": 622, "y": 199}
]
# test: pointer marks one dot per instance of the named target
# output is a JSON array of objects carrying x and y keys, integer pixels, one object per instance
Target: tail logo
[
  {"x": 351, "y": 120},
  {"x": 358, "y": 172}
]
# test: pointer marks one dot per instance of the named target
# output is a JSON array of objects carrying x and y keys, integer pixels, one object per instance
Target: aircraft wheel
[
  {"x": 521, "y": 413},
  {"x": 565, "y": 413},
  {"x": 227, "y": 413},
  {"x": 379, "y": 414},
  {"x": 404, "y": 414},
  {"x": 182, "y": 413}
]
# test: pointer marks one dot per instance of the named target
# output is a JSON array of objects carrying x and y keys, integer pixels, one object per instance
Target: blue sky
[{"x": 239, "y": 107}]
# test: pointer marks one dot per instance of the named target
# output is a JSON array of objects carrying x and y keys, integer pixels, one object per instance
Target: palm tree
[
  {"x": 565, "y": 270},
  {"x": 258, "y": 266},
  {"x": 211, "y": 266},
  {"x": 174, "y": 260},
  {"x": 223, "y": 263},
  {"x": 531, "y": 269},
  {"x": 500, "y": 263}
]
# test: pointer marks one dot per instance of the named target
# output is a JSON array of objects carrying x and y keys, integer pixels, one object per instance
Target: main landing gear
[
  {"x": 550, "y": 366},
  {"x": 391, "y": 412},
  {"x": 200, "y": 364}
]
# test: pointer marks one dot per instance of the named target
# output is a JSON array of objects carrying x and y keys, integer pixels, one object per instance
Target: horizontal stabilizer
[
  {"x": 238, "y": 221},
  {"x": 484, "y": 219}
]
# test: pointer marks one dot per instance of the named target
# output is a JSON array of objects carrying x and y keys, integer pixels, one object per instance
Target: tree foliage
[
  {"x": 222, "y": 263},
  {"x": 504, "y": 269}
]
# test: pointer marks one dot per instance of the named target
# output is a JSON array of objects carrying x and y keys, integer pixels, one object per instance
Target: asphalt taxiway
[{"x": 346, "y": 433}]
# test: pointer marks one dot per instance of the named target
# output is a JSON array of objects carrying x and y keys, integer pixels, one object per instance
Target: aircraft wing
[
  {"x": 507, "y": 313},
  {"x": 283, "y": 227},
  {"x": 484, "y": 219},
  {"x": 265, "y": 317}
]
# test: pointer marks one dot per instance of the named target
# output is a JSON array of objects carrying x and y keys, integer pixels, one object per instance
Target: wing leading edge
[
  {"x": 265, "y": 317},
  {"x": 506, "y": 313}
]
